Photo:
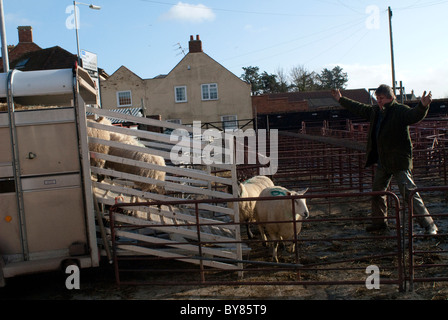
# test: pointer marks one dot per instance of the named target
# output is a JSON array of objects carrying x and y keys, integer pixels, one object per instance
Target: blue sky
[{"x": 148, "y": 37}]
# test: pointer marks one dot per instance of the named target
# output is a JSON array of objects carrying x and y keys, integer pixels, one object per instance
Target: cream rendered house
[
  {"x": 197, "y": 89},
  {"x": 123, "y": 89}
]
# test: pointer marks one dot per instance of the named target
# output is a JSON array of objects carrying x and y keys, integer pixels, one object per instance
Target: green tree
[
  {"x": 333, "y": 79},
  {"x": 251, "y": 75},
  {"x": 301, "y": 80},
  {"x": 269, "y": 83}
]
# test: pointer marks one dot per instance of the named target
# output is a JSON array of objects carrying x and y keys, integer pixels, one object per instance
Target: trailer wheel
[
  {"x": 2, "y": 277},
  {"x": 68, "y": 262}
]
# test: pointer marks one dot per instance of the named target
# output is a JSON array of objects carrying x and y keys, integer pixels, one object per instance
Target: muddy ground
[{"x": 329, "y": 260}]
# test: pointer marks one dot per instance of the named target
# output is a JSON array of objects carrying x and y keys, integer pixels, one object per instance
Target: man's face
[{"x": 382, "y": 100}]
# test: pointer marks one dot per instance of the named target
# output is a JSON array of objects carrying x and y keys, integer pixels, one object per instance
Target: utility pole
[{"x": 391, "y": 50}]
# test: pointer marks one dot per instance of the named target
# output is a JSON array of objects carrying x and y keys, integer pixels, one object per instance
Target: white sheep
[
  {"x": 251, "y": 188},
  {"x": 138, "y": 156},
  {"x": 267, "y": 212},
  {"x": 97, "y": 147}
]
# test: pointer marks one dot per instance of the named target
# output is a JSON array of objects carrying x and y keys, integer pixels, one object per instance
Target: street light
[
  {"x": 91, "y": 6},
  {"x": 3, "y": 35}
]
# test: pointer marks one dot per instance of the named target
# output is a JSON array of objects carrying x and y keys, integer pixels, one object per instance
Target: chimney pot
[{"x": 195, "y": 45}]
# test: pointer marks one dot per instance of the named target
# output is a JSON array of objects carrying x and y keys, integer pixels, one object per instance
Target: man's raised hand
[
  {"x": 426, "y": 99},
  {"x": 336, "y": 94}
]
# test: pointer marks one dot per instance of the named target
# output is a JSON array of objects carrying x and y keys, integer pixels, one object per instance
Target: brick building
[
  {"x": 288, "y": 110},
  {"x": 25, "y": 45}
]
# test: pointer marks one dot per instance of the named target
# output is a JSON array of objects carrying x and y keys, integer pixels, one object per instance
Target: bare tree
[
  {"x": 302, "y": 79},
  {"x": 282, "y": 80}
]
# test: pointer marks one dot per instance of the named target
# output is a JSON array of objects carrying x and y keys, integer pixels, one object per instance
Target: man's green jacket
[{"x": 388, "y": 144}]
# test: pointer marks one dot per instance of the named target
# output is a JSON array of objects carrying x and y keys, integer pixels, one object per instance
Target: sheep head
[
  {"x": 241, "y": 190},
  {"x": 300, "y": 203}
]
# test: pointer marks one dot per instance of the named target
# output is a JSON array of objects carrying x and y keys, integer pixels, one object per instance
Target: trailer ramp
[{"x": 172, "y": 230}]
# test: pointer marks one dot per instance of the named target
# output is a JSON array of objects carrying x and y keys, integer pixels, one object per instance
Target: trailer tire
[
  {"x": 2, "y": 277},
  {"x": 68, "y": 262}
]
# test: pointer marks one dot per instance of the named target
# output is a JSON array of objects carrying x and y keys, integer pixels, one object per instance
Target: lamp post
[
  {"x": 3, "y": 35},
  {"x": 91, "y": 6}
]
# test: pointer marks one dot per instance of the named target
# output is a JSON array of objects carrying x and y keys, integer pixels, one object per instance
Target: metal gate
[
  {"x": 341, "y": 268},
  {"x": 427, "y": 256}
]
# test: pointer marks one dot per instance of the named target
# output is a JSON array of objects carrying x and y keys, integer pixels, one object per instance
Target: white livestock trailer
[{"x": 46, "y": 208}]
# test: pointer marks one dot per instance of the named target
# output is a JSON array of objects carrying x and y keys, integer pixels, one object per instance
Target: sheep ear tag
[{"x": 277, "y": 193}]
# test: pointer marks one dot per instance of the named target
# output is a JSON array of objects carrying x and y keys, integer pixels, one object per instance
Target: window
[
  {"x": 170, "y": 130},
  {"x": 229, "y": 122},
  {"x": 21, "y": 64},
  {"x": 180, "y": 94},
  {"x": 178, "y": 121},
  {"x": 124, "y": 98},
  {"x": 209, "y": 91}
]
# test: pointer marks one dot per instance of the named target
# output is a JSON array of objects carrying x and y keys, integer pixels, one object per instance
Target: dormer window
[{"x": 21, "y": 64}]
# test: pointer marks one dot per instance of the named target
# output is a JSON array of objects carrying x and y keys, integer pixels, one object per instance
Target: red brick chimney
[
  {"x": 25, "y": 34},
  {"x": 195, "y": 45}
]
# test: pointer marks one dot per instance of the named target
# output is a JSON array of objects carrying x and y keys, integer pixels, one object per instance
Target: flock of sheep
[
  {"x": 270, "y": 215},
  {"x": 124, "y": 153}
]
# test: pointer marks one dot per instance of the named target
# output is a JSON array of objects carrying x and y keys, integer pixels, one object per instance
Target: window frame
[
  {"x": 175, "y": 94},
  {"x": 176, "y": 120},
  {"x": 228, "y": 121},
  {"x": 118, "y": 98},
  {"x": 208, "y": 91}
]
